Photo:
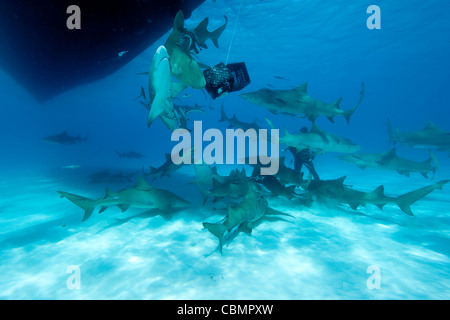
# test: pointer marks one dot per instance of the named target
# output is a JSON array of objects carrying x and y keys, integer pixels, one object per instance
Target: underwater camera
[{"x": 222, "y": 78}]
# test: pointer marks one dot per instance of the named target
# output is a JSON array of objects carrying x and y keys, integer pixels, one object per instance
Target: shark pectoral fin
[
  {"x": 157, "y": 108},
  {"x": 425, "y": 174},
  {"x": 273, "y": 212},
  {"x": 103, "y": 208},
  {"x": 403, "y": 172},
  {"x": 354, "y": 204},
  {"x": 330, "y": 119},
  {"x": 123, "y": 207},
  {"x": 177, "y": 87}
]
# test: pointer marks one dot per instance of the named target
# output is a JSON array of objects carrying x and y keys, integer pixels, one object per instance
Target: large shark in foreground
[
  {"x": 390, "y": 161},
  {"x": 162, "y": 89},
  {"x": 182, "y": 65},
  {"x": 430, "y": 136},
  {"x": 298, "y": 102},
  {"x": 243, "y": 217},
  {"x": 142, "y": 195},
  {"x": 335, "y": 190}
]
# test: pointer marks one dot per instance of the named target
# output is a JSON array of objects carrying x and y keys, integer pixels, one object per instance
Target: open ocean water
[{"x": 321, "y": 251}]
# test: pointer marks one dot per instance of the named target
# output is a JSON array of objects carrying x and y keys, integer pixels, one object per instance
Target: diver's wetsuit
[{"x": 304, "y": 157}]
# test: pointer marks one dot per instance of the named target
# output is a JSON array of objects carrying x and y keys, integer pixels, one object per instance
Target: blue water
[{"x": 323, "y": 253}]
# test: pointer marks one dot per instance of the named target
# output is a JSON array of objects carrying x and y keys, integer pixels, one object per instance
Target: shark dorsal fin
[
  {"x": 340, "y": 181},
  {"x": 430, "y": 126},
  {"x": 142, "y": 184},
  {"x": 379, "y": 191},
  {"x": 168, "y": 157},
  {"x": 107, "y": 192},
  {"x": 302, "y": 88},
  {"x": 387, "y": 157},
  {"x": 202, "y": 26},
  {"x": 178, "y": 22}
]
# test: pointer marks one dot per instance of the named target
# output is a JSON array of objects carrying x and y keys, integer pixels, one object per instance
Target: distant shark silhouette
[
  {"x": 130, "y": 154},
  {"x": 233, "y": 122},
  {"x": 65, "y": 138},
  {"x": 430, "y": 136},
  {"x": 390, "y": 161},
  {"x": 335, "y": 190},
  {"x": 297, "y": 101},
  {"x": 142, "y": 195},
  {"x": 106, "y": 176}
]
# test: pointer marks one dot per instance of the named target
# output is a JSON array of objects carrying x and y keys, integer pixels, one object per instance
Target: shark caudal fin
[
  {"x": 88, "y": 205},
  {"x": 217, "y": 229},
  {"x": 216, "y": 33},
  {"x": 405, "y": 201},
  {"x": 348, "y": 113},
  {"x": 390, "y": 131},
  {"x": 223, "y": 116}
]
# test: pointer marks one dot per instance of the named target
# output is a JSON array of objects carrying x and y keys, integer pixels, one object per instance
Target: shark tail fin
[
  {"x": 390, "y": 131},
  {"x": 405, "y": 201},
  {"x": 217, "y": 229},
  {"x": 348, "y": 113},
  {"x": 88, "y": 205},
  {"x": 216, "y": 33}
]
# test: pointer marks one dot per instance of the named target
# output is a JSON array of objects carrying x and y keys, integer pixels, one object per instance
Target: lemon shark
[
  {"x": 165, "y": 170},
  {"x": 319, "y": 141},
  {"x": 182, "y": 65},
  {"x": 243, "y": 217},
  {"x": 200, "y": 34},
  {"x": 430, "y": 136},
  {"x": 65, "y": 139},
  {"x": 298, "y": 102},
  {"x": 335, "y": 190},
  {"x": 233, "y": 122},
  {"x": 162, "y": 89},
  {"x": 235, "y": 185},
  {"x": 129, "y": 155},
  {"x": 390, "y": 161},
  {"x": 142, "y": 195}
]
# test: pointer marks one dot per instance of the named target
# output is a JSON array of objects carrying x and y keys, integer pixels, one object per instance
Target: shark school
[{"x": 235, "y": 150}]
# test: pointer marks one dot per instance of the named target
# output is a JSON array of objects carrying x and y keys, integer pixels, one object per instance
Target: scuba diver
[{"x": 304, "y": 157}]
